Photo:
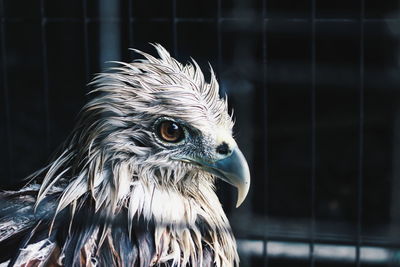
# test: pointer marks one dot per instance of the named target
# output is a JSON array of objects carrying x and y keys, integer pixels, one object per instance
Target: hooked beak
[{"x": 234, "y": 170}]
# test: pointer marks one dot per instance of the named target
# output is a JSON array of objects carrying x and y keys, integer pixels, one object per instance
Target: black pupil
[{"x": 173, "y": 129}]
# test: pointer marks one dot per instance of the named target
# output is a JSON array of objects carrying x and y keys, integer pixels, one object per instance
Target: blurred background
[{"x": 315, "y": 89}]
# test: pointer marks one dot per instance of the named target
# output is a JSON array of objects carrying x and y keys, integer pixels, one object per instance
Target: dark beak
[{"x": 234, "y": 170}]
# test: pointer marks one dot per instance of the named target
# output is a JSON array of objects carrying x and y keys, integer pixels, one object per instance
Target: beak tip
[{"x": 242, "y": 193}]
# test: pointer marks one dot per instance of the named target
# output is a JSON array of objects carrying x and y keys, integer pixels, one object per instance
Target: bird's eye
[{"x": 170, "y": 131}]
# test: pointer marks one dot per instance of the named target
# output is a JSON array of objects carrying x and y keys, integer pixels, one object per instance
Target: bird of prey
[{"x": 133, "y": 185}]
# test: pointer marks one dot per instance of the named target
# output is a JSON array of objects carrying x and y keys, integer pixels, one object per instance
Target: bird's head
[{"x": 164, "y": 119}]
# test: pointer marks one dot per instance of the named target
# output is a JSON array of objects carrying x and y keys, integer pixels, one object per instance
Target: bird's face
[
  {"x": 177, "y": 119},
  {"x": 203, "y": 144}
]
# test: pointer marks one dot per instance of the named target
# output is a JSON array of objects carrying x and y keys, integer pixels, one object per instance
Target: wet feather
[{"x": 112, "y": 197}]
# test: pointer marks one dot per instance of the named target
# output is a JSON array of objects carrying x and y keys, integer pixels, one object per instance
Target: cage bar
[
  {"x": 130, "y": 23},
  {"x": 219, "y": 38},
  {"x": 361, "y": 139},
  {"x": 265, "y": 125},
  {"x": 86, "y": 40},
  {"x": 199, "y": 20},
  {"x": 324, "y": 253},
  {"x": 174, "y": 22},
  {"x": 43, "y": 23},
  {"x": 110, "y": 35},
  {"x": 313, "y": 135},
  {"x": 4, "y": 75}
]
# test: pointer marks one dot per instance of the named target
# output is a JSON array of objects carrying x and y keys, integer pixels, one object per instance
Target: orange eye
[{"x": 170, "y": 131}]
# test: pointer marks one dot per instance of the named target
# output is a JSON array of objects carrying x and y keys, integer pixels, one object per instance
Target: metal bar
[
  {"x": 332, "y": 253},
  {"x": 265, "y": 126},
  {"x": 9, "y": 140},
  {"x": 313, "y": 135},
  {"x": 45, "y": 73},
  {"x": 361, "y": 139},
  {"x": 130, "y": 23},
  {"x": 110, "y": 35},
  {"x": 219, "y": 38},
  {"x": 265, "y": 252},
  {"x": 174, "y": 21},
  {"x": 200, "y": 20},
  {"x": 86, "y": 40},
  {"x": 331, "y": 240}
]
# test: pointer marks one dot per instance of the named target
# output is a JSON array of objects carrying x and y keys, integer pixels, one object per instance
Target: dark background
[{"x": 315, "y": 89}]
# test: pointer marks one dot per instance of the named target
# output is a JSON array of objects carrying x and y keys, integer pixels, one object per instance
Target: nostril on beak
[{"x": 223, "y": 149}]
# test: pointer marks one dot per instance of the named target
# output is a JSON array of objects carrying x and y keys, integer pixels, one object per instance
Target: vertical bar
[
  {"x": 265, "y": 252},
  {"x": 219, "y": 40},
  {"x": 5, "y": 92},
  {"x": 45, "y": 73},
  {"x": 130, "y": 23},
  {"x": 174, "y": 30},
  {"x": 361, "y": 139},
  {"x": 85, "y": 40},
  {"x": 265, "y": 115},
  {"x": 110, "y": 35},
  {"x": 313, "y": 134}
]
